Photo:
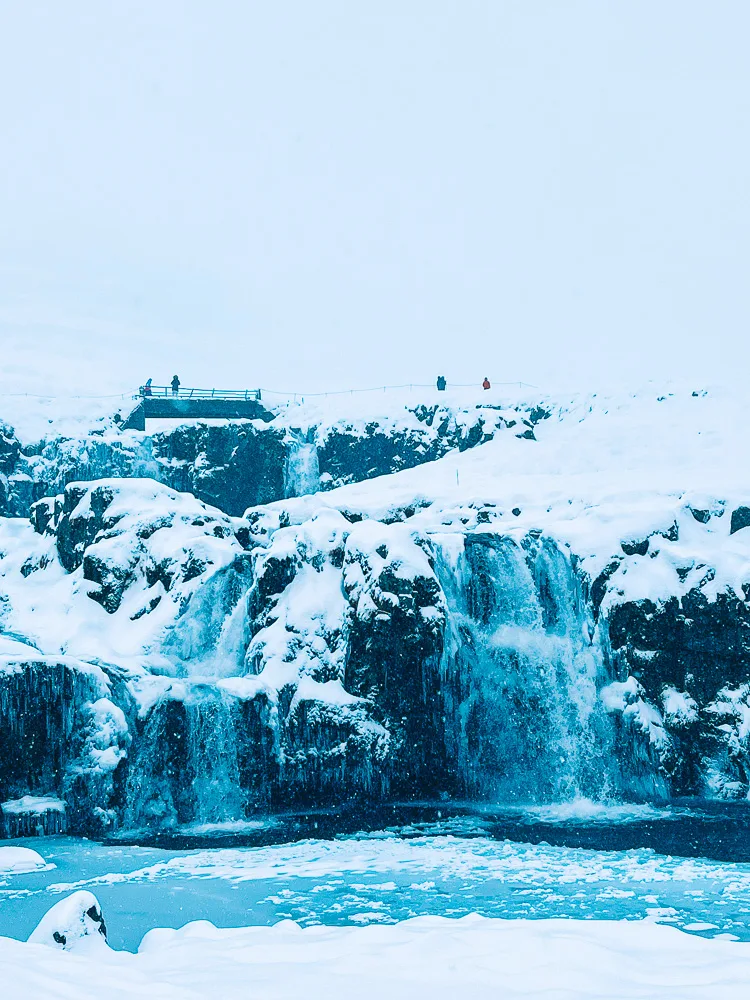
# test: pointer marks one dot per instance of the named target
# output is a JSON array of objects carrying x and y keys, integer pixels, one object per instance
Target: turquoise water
[{"x": 449, "y": 867}]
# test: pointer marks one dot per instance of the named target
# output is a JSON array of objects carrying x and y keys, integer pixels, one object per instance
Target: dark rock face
[
  {"x": 635, "y": 548},
  {"x": 691, "y": 644},
  {"x": 701, "y": 650},
  {"x": 76, "y": 530},
  {"x": 392, "y": 662},
  {"x": 329, "y": 744},
  {"x": 331, "y": 754},
  {"x": 38, "y": 715},
  {"x": 213, "y": 757},
  {"x": 161, "y": 774},
  {"x": 346, "y": 456},
  {"x": 10, "y": 448},
  {"x": 740, "y": 519},
  {"x": 231, "y": 466}
]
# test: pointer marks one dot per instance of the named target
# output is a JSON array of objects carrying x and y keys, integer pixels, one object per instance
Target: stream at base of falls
[{"x": 687, "y": 864}]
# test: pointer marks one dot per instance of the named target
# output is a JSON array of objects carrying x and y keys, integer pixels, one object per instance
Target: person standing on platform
[{"x": 175, "y": 385}]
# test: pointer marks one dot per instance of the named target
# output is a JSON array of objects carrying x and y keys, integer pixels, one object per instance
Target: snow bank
[
  {"x": 15, "y": 647},
  {"x": 19, "y": 860},
  {"x": 427, "y": 958}
]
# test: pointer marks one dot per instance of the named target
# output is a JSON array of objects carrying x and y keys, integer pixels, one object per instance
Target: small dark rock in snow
[
  {"x": 740, "y": 519},
  {"x": 635, "y": 548},
  {"x": 672, "y": 533}
]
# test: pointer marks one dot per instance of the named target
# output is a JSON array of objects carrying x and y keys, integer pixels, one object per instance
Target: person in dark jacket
[
  {"x": 146, "y": 390},
  {"x": 441, "y": 383},
  {"x": 486, "y": 383},
  {"x": 175, "y": 385}
]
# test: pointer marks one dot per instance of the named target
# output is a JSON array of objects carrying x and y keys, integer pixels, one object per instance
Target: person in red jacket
[{"x": 486, "y": 383}]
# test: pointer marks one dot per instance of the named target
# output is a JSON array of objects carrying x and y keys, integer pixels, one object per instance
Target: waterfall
[
  {"x": 186, "y": 769},
  {"x": 301, "y": 470},
  {"x": 519, "y": 674},
  {"x": 212, "y": 750},
  {"x": 208, "y": 640}
]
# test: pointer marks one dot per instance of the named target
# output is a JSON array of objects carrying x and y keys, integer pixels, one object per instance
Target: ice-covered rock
[
  {"x": 43, "y": 709},
  {"x": 76, "y": 923}
]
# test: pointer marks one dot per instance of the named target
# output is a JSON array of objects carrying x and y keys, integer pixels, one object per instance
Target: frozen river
[{"x": 436, "y": 865}]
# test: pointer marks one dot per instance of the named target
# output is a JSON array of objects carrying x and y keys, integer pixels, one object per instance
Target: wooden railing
[{"x": 160, "y": 391}]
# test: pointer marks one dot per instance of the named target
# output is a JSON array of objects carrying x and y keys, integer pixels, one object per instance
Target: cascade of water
[
  {"x": 208, "y": 640},
  {"x": 186, "y": 769},
  {"x": 302, "y": 469},
  {"x": 520, "y": 675},
  {"x": 212, "y": 750}
]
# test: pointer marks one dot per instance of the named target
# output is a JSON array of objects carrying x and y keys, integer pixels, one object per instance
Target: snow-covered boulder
[
  {"x": 20, "y": 860},
  {"x": 75, "y": 923}
]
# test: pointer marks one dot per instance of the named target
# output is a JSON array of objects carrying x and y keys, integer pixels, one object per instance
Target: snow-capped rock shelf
[
  {"x": 521, "y": 621},
  {"x": 33, "y": 815},
  {"x": 236, "y": 464}
]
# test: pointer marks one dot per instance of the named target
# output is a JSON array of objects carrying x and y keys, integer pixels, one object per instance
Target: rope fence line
[
  {"x": 382, "y": 388},
  {"x": 133, "y": 394}
]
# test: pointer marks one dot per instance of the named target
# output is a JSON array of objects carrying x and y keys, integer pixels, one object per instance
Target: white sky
[{"x": 317, "y": 194}]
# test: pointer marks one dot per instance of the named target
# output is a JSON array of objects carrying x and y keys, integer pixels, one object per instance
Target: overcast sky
[{"x": 315, "y": 194}]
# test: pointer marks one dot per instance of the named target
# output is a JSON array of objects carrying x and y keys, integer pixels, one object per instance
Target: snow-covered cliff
[
  {"x": 236, "y": 464},
  {"x": 551, "y": 609}
]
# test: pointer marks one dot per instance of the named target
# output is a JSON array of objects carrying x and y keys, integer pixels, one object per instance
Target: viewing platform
[{"x": 160, "y": 402}]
